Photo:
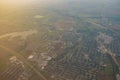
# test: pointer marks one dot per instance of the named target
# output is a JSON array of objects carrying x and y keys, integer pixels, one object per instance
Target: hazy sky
[{"x": 26, "y": 2}]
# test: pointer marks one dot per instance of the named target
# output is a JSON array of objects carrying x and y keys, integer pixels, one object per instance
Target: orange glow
[{"x": 16, "y": 2}]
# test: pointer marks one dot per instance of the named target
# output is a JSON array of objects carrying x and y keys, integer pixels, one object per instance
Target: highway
[{"x": 23, "y": 60}]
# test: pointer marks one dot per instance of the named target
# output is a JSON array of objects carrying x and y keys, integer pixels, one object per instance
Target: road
[{"x": 23, "y": 60}]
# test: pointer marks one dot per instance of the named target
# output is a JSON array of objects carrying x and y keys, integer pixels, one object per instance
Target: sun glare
[{"x": 16, "y": 2}]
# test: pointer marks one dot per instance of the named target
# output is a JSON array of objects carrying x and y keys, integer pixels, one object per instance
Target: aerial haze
[{"x": 59, "y": 40}]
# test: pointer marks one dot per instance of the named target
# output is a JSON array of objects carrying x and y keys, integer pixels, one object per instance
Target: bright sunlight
[{"x": 16, "y": 2}]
